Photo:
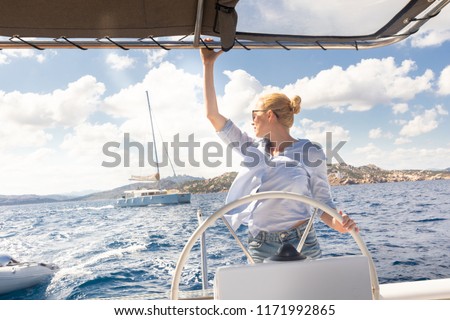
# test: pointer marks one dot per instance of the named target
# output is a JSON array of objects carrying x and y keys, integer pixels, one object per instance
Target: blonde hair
[{"x": 282, "y": 106}]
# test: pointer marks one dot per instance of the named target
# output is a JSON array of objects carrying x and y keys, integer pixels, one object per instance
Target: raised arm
[{"x": 209, "y": 92}]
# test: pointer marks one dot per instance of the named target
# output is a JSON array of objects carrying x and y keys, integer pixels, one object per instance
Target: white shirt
[{"x": 300, "y": 168}]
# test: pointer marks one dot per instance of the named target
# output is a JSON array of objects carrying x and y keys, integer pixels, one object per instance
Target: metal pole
[
  {"x": 239, "y": 242},
  {"x": 154, "y": 140},
  {"x": 198, "y": 24},
  {"x": 305, "y": 233},
  {"x": 203, "y": 253}
]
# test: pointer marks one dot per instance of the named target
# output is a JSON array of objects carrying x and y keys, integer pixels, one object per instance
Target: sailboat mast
[{"x": 153, "y": 134}]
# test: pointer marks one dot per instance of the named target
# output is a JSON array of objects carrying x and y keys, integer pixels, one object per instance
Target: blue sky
[{"x": 58, "y": 108}]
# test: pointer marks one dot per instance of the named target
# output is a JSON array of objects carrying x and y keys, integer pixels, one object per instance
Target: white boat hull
[
  {"x": 24, "y": 275},
  {"x": 437, "y": 289},
  {"x": 142, "y": 201}
]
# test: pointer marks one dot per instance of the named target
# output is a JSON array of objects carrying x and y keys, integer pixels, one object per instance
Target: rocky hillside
[
  {"x": 217, "y": 184},
  {"x": 337, "y": 175},
  {"x": 345, "y": 175},
  {"x": 30, "y": 198}
]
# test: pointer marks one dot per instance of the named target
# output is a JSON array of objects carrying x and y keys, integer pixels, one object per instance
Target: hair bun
[{"x": 295, "y": 104}]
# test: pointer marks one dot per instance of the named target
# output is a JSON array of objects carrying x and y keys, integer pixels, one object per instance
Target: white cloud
[
  {"x": 74, "y": 104},
  {"x": 241, "y": 93},
  {"x": 3, "y": 58},
  {"x": 31, "y": 120},
  {"x": 401, "y": 158},
  {"x": 368, "y": 154},
  {"x": 155, "y": 57},
  {"x": 314, "y": 17},
  {"x": 362, "y": 86},
  {"x": 119, "y": 62},
  {"x": 64, "y": 107},
  {"x": 400, "y": 122},
  {"x": 378, "y": 133},
  {"x": 375, "y": 133},
  {"x": 400, "y": 108},
  {"x": 87, "y": 140},
  {"x": 316, "y": 131},
  {"x": 417, "y": 158},
  {"x": 76, "y": 164},
  {"x": 428, "y": 38},
  {"x": 173, "y": 93},
  {"x": 50, "y": 171},
  {"x": 402, "y": 140},
  {"x": 444, "y": 82},
  {"x": 7, "y": 55},
  {"x": 434, "y": 32},
  {"x": 423, "y": 123},
  {"x": 358, "y": 88},
  {"x": 22, "y": 136}
]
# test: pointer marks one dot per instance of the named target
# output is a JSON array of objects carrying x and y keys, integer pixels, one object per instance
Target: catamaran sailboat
[
  {"x": 152, "y": 196},
  {"x": 183, "y": 24},
  {"x": 146, "y": 196}
]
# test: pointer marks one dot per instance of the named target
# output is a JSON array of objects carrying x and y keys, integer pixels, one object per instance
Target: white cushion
[{"x": 322, "y": 279}]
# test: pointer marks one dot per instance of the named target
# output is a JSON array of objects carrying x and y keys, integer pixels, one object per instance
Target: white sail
[
  {"x": 144, "y": 196},
  {"x": 151, "y": 177}
]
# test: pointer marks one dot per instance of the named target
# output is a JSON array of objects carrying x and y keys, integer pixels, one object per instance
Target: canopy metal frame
[{"x": 405, "y": 23}]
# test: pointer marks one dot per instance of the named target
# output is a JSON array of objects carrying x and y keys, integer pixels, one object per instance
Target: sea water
[{"x": 105, "y": 252}]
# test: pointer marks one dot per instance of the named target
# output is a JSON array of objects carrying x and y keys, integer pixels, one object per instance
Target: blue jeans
[{"x": 266, "y": 244}]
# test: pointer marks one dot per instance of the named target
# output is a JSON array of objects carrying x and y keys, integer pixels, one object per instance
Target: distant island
[
  {"x": 337, "y": 175},
  {"x": 347, "y": 174}
]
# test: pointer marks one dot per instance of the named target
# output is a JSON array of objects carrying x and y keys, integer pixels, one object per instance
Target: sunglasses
[{"x": 259, "y": 110}]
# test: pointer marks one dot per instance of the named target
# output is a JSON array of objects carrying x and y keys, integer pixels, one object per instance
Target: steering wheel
[{"x": 174, "y": 292}]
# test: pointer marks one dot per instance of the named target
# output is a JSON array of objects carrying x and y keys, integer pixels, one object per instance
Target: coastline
[{"x": 338, "y": 175}]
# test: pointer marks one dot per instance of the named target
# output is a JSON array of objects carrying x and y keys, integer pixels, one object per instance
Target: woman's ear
[{"x": 271, "y": 115}]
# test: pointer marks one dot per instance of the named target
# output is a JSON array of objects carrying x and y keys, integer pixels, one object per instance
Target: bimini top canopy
[{"x": 169, "y": 24}]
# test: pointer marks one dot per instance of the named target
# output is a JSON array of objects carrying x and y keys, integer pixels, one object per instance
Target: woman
[{"x": 277, "y": 162}]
